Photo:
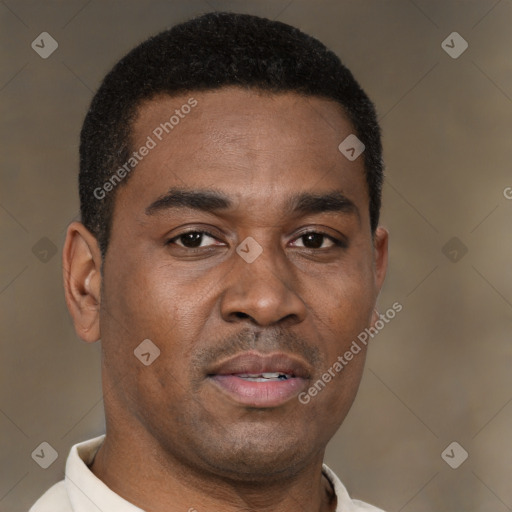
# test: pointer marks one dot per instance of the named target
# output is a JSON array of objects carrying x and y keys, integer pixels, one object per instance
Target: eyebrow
[{"x": 213, "y": 201}]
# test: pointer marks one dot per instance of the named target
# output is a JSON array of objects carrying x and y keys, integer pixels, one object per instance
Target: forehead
[
  {"x": 234, "y": 117},
  {"x": 244, "y": 142}
]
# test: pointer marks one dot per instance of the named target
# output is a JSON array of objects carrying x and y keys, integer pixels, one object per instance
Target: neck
[{"x": 138, "y": 469}]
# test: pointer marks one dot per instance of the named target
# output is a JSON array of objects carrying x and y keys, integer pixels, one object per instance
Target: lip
[{"x": 260, "y": 394}]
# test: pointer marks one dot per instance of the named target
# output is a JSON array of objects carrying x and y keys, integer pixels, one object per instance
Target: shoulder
[{"x": 54, "y": 499}]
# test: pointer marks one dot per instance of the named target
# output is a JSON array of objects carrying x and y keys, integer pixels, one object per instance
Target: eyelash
[{"x": 337, "y": 242}]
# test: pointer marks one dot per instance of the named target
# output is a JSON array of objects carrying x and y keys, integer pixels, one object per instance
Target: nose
[{"x": 264, "y": 292}]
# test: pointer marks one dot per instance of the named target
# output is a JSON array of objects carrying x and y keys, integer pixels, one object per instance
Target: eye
[
  {"x": 193, "y": 239},
  {"x": 317, "y": 240},
  {"x": 203, "y": 239}
]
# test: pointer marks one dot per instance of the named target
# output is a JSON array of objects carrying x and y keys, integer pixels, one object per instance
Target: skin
[{"x": 174, "y": 440}]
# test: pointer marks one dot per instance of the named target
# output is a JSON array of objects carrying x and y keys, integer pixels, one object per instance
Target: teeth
[
  {"x": 270, "y": 375},
  {"x": 262, "y": 377}
]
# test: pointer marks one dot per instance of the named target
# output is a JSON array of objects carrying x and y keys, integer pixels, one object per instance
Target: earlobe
[{"x": 81, "y": 259}]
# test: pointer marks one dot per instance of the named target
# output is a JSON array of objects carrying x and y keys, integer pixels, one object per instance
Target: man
[{"x": 229, "y": 253}]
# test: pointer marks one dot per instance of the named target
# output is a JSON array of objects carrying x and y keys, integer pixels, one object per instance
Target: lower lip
[{"x": 259, "y": 394}]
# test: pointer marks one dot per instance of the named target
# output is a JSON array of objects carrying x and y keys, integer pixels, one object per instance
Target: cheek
[
  {"x": 343, "y": 309},
  {"x": 148, "y": 300},
  {"x": 143, "y": 305},
  {"x": 167, "y": 307},
  {"x": 343, "y": 302}
]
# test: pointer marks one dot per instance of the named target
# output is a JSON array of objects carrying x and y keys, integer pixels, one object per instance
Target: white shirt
[{"x": 82, "y": 491}]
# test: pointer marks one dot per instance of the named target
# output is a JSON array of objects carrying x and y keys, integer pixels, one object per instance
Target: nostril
[{"x": 239, "y": 314}]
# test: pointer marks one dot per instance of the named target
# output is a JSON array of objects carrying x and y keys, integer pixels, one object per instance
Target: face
[{"x": 241, "y": 247}]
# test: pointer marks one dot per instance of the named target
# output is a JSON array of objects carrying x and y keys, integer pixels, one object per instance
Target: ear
[
  {"x": 81, "y": 260},
  {"x": 380, "y": 250}
]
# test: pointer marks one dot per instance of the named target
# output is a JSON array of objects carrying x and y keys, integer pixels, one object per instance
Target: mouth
[{"x": 261, "y": 380}]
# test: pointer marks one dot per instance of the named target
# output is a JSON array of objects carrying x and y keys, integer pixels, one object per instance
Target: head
[{"x": 220, "y": 219}]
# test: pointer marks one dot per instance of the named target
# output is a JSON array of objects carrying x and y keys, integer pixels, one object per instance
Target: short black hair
[{"x": 209, "y": 52}]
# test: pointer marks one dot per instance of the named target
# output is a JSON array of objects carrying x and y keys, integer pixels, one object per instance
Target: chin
[{"x": 257, "y": 455}]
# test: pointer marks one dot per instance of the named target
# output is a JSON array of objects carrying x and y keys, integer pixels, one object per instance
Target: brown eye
[
  {"x": 192, "y": 239},
  {"x": 315, "y": 240}
]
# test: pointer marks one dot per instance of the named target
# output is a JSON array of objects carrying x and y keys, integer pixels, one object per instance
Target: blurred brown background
[{"x": 438, "y": 372}]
